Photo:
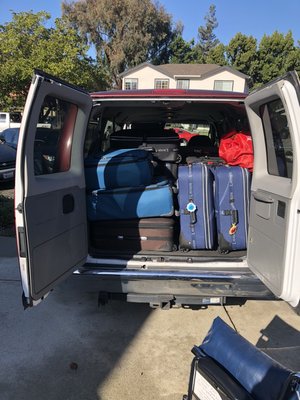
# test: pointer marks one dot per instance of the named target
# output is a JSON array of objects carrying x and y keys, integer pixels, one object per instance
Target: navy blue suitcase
[
  {"x": 119, "y": 168},
  {"x": 196, "y": 204},
  {"x": 154, "y": 200},
  {"x": 232, "y": 198}
]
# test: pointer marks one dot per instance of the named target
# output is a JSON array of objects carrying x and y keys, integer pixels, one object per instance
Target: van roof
[{"x": 169, "y": 93}]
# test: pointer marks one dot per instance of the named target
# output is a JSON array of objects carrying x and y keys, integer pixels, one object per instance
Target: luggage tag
[
  {"x": 233, "y": 227},
  {"x": 191, "y": 209}
]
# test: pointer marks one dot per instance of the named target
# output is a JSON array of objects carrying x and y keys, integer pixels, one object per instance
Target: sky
[{"x": 250, "y": 17}]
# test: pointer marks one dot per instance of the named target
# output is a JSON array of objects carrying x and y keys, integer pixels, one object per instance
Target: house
[{"x": 184, "y": 76}]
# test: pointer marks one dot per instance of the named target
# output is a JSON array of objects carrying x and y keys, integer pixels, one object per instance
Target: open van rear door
[
  {"x": 50, "y": 187},
  {"x": 274, "y": 232}
]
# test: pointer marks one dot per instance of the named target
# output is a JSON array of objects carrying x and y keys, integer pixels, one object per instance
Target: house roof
[{"x": 174, "y": 71}]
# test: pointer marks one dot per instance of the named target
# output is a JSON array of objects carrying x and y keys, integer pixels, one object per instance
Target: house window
[
  {"x": 161, "y": 84},
  {"x": 131, "y": 84},
  {"x": 223, "y": 85},
  {"x": 183, "y": 84}
]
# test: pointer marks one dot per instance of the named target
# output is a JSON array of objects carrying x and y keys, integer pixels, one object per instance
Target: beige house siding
[
  {"x": 146, "y": 76},
  {"x": 208, "y": 83}
]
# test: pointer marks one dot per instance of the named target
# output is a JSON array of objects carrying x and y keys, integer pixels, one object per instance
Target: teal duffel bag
[{"x": 118, "y": 168}]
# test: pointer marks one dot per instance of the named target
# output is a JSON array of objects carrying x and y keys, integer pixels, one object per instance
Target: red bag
[{"x": 236, "y": 149}]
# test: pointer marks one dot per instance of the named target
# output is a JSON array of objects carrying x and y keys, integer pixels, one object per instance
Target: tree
[
  {"x": 242, "y": 53},
  {"x": 277, "y": 54},
  {"x": 217, "y": 55},
  {"x": 26, "y": 43},
  {"x": 207, "y": 38},
  {"x": 125, "y": 33},
  {"x": 181, "y": 51}
]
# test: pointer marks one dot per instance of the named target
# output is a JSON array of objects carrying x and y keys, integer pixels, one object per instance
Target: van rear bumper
[{"x": 204, "y": 283}]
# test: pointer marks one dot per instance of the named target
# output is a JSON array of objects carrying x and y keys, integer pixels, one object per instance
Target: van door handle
[
  {"x": 68, "y": 204},
  {"x": 263, "y": 198}
]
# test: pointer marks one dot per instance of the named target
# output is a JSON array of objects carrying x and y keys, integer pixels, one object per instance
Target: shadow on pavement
[
  {"x": 282, "y": 342},
  {"x": 67, "y": 346}
]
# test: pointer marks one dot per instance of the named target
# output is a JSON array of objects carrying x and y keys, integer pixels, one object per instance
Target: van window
[
  {"x": 277, "y": 138},
  {"x": 53, "y": 138},
  {"x": 15, "y": 117}
]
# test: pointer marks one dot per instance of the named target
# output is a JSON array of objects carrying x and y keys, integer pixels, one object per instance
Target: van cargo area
[{"x": 134, "y": 231}]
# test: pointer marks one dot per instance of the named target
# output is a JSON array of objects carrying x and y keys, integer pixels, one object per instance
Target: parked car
[
  {"x": 10, "y": 120},
  {"x": 56, "y": 213},
  {"x": 45, "y": 145},
  {"x": 7, "y": 163},
  {"x": 10, "y": 136}
]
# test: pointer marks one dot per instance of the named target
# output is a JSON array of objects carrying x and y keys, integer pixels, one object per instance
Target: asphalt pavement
[{"x": 67, "y": 348}]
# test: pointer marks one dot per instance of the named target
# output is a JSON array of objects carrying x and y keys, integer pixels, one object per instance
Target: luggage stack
[
  {"x": 128, "y": 208},
  {"x": 214, "y": 206}
]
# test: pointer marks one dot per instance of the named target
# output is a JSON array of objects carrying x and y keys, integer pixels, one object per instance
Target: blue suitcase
[
  {"x": 154, "y": 200},
  {"x": 232, "y": 198},
  {"x": 119, "y": 168},
  {"x": 195, "y": 197}
]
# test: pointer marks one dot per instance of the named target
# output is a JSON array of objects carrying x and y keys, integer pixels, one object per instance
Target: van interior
[{"x": 193, "y": 129}]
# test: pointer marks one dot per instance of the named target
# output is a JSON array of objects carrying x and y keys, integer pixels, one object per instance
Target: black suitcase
[
  {"x": 162, "y": 143},
  {"x": 126, "y": 139},
  {"x": 210, "y": 161},
  {"x": 155, "y": 234},
  {"x": 227, "y": 367}
]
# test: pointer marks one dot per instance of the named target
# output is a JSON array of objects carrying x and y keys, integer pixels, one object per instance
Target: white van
[
  {"x": 53, "y": 230},
  {"x": 10, "y": 120}
]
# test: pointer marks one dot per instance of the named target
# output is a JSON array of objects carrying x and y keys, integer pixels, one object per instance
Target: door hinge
[{"x": 19, "y": 208}]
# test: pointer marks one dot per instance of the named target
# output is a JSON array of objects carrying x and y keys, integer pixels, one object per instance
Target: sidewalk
[
  {"x": 8, "y": 247},
  {"x": 69, "y": 349}
]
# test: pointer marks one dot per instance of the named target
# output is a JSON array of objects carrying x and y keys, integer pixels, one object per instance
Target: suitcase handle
[
  {"x": 234, "y": 214},
  {"x": 191, "y": 209}
]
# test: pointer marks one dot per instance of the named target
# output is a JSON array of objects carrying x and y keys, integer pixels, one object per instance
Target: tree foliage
[
  {"x": 181, "y": 51},
  {"x": 277, "y": 54},
  {"x": 125, "y": 33},
  {"x": 241, "y": 53},
  {"x": 26, "y": 43},
  {"x": 207, "y": 38},
  {"x": 217, "y": 55},
  {"x": 273, "y": 56}
]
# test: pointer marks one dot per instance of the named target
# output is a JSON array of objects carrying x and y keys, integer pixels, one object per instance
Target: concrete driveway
[{"x": 69, "y": 349}]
